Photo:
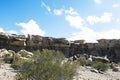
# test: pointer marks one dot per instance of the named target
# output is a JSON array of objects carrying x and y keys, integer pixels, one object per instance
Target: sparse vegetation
[
  {"x": 82, "y": 61},
  {"x": 100, "y": 66},
  {"x": 17, "y": 63},
  {"x": 46, "y": 65}
]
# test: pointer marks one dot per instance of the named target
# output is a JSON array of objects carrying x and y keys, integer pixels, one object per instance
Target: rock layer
[{"x": 104, "y": 47}]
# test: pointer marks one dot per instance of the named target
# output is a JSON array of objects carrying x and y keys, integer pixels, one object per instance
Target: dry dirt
[
  {"x": 86, "y": 74},
  {"x": 6, "y": 72}
]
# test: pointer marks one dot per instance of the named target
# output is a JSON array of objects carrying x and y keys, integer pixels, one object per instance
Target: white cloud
[
  {"x": 116, "y": 5},
  {"x": 58, "y": 11},
  {"x": 46, "y": 6},
  {"x": 8, "y": 31},
  {"x": 75, "y": 21},
  {"x": 86, "y": 33},
  {"x": 107, "y": 17},
  {"x": 98, "y": 1},
  {"x": 31, "y": 28},
  {"x": 92, "y": 36},
  {"x": 71, "y": 11},
  {"x": 71, "y": 16},
  {"x": 61, "y": 11},
  {"x": 12, "y": 31},
  {"x": 1, "y": 30}
]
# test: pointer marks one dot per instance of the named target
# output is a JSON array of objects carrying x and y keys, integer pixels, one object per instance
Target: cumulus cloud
[
  {"x": 98, "y": 1},
  {"x": 106, "y": 17},
  {"x": 31, "y": 28},
  {"x": 75, "y": 21},
  {"x": 116, "y": 5},
  {"x": 86, "y": 33},
  {"x": 46, "y": 6},
  {"x": 58, "y": 11}
]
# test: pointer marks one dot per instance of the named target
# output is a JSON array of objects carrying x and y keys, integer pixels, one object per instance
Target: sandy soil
[
  {"x": 6, "y": 72},
  {"x": 86, "y": 74}
]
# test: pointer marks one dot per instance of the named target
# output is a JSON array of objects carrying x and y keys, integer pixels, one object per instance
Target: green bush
[
  {"x": 100, "y": 66},
  {"x": 83, "y": 61},
  {"x": 47, "y": 66},
  {"x": 37, "y": 52},
  {"x": 17, "y": 62}
]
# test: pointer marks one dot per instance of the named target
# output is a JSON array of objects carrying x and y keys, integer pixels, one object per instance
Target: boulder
[
  {"x": 24, "y": 53},
  {"x": 103, "y": 59},
  {"x": 116, "y": 69},
  {"x": 94, "y": 70},
  {"x": 5, "y": 53}
]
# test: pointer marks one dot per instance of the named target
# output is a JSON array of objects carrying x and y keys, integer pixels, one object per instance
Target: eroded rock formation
[{"x": 104, "y": 47}]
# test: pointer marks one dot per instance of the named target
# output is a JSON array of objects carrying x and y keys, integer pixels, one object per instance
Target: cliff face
[{"x": 109, "y": 48}]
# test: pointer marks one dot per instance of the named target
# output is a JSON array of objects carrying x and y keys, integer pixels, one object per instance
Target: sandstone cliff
[{"x": 104, "y": 47}]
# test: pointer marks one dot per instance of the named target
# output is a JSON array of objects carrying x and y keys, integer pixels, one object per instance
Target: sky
[{"x": 87, "y": 20}]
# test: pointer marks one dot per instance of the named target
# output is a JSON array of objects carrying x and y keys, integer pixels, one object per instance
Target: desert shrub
[
  {"x": 17, "y": 62},
  {"x": 100, "y": 66},
  {"x": 23, "y": 54},
  {"x": 83, "y": 61},
  {"x": 113, "y": 65},
  {"x": 37, "y": 52},
  {"x": 47, "y": 66}
]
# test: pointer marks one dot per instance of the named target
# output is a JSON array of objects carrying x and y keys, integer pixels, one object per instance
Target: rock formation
[{"x": 104, "y": 47}]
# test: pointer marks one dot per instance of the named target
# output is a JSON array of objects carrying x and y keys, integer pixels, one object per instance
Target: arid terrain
[
  {"x": 85, "y": 74},
  {"x": 106, "y": 51},
  {"x": 8, "y": 73}
]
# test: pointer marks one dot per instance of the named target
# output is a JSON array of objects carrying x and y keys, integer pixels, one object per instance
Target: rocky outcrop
[{"x": 104, "y": 47}]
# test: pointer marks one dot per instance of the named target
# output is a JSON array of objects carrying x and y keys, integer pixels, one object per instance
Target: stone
[
  {"x": 94, "y": 70},
  {"x": 116, "y": 69},
  {"x": 24, "y": 53},
  {"x": 103, "y": 59},
  {"x": 4, "y": 52}
]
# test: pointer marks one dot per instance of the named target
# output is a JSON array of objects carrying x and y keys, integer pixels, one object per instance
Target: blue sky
[{"x": 73, "y": 19}]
